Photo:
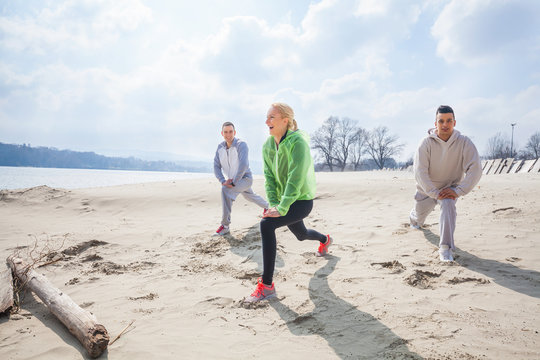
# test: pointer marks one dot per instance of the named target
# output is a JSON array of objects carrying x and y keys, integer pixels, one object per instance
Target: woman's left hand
[{"x": 272, "y": 212}]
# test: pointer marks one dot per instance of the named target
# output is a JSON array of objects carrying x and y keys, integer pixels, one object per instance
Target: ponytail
[{"x": 292, "y": 125}]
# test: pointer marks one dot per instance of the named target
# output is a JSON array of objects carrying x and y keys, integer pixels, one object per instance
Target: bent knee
[
  {"x": 266, "y": 224},
  {"x": 448, "y": 204}
]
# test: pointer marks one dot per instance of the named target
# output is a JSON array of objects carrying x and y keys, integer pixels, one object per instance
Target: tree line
[
  {"x": 25, "y": 155},
  {"x": 342, "y": 143},
  {"x": 500, "y": 147}
]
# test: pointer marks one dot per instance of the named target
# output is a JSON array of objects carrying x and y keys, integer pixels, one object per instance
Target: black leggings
[{"x": 294, "y": 221}]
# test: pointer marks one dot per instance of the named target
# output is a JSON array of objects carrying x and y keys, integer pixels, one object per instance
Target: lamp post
[{"x": 512, "y": 143}]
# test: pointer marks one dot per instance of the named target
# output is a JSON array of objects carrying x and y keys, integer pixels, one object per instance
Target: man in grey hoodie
[
  {"x": 231, "y": 161},
  {"x": 446, "y": 166}
]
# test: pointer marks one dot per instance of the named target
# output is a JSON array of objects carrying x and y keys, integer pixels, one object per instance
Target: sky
[{"x": 156, "y": 78}]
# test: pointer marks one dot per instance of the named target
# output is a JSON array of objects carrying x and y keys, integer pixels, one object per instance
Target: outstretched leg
[
  {"x": 249, "y": 195},
  {"x": 423, "y": 206}
]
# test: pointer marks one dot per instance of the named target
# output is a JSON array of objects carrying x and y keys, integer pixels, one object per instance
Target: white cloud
[
  {"x": 340, "y": 60},
  {"x": 371, "y": 7},
  {"x": 72, "y": 25},
  {"x": 247, "y": 50},
  {"x": 480, "y": 31},
  {"x": 333, "y": 31}
]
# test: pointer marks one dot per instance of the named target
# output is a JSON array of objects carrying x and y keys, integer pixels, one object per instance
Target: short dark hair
[
  {"x": 445, "y": 109},
  {"x": 228, "y": 123}
]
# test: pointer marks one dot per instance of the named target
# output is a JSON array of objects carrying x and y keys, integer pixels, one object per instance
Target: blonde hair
[{"x": 286, "y": 112}]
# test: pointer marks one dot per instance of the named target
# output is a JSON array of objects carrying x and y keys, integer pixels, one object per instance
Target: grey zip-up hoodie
[
  {"x": 232, "y": 162},
  {"x": 439, "y": 164}
]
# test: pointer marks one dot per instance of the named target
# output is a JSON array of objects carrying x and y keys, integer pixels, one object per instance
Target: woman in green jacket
[{"x": 290, "y": 189}]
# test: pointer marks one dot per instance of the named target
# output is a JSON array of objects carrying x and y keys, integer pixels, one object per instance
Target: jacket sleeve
[
  {"x": 217, "y": 168},
  {"x": 472, "y": 168},
  {"x": 269, "y": 179},
  {"x": 243, "y": 162},
  {"x": 299, "y": 160},
  {"x": 421, "y": 170}
]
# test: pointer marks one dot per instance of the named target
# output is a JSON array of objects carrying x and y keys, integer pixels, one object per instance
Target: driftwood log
[
  {"x": 81, "y": 323},
  {"x": 6, "y": 288}
]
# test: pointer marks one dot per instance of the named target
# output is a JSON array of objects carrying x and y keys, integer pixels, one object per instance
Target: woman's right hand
[{"x": 272, "y": 212}]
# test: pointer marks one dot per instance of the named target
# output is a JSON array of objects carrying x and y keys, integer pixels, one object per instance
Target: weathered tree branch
[
  {"x": 81, "y": 323},
  {"x": 6, "y": 288}
]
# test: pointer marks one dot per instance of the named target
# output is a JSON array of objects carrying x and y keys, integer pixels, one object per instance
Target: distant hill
[{"x": 25, "y": 155}]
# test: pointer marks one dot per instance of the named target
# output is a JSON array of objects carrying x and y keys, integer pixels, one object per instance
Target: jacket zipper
[{"x": 276, "y": 163}]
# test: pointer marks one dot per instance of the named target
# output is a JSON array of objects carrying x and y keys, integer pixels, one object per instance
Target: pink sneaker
[
  {"x": 262, "y": 292},
  {"x": 222, "y": 230},
  {"x": 323, "y": 248}
]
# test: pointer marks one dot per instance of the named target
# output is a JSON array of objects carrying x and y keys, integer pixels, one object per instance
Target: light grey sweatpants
[
  {"x": 447, "y": 222},
  {"x": 228, "y": 195}
]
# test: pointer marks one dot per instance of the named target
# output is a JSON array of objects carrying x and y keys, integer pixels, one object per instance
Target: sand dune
[{"x": 145, "y": 253}]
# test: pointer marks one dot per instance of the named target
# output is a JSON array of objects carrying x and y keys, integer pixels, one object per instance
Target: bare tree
[
  {"x": 324, "y": 140},
  {"x": 345, "y": 138},
  {"x": 409, "y": 162},
  {"x": 498, "y": 147},
  {"x": 382, "y": 146},
  {"x": 358, "y": 148},
  {"x": 532, "y": 149}
]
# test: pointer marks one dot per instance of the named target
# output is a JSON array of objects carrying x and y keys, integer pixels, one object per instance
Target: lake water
[{"x": 25, "y": 177}]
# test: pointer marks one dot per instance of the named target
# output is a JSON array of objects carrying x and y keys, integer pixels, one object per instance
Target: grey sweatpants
[
  {"x": 447, "y": 222},
  {"x": 228, "y": 195}
]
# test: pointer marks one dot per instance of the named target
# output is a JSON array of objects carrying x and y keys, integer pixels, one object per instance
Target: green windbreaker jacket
[{"x": 288, "y": 170}]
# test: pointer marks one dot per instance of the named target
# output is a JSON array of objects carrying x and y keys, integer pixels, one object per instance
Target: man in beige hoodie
[{"x": 446, "y": 166}]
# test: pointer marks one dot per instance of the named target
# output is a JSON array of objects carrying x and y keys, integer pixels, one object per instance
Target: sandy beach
[{"x": 145, "y": 253}]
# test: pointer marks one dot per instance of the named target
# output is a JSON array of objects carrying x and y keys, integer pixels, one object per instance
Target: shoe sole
[
  {"x": 274, "y": 295},
  {"x": 446, "y": 260}
]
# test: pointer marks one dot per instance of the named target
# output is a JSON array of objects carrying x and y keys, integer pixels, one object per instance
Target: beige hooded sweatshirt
[{"x": 439, "y": 164}]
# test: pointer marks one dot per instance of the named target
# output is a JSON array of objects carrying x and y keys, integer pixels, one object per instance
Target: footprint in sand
[
  {"x": 457, "y": 280},
  {"x": 111, "y": 268},
  {"x": 217, "y": 247},
  {"x": 395, "y": 266},
  {"x": 248, "y": 275},
  {"x": 253, "y": 305},
  {"x": 93, "y": 257},
  {"x": 85, "y": 206},
  {"x": 81, "y": 247},
  {"x": 507, "y": 212},
  {"x": 422, "y": 279},
  {"x": 150, "y": 296},
  {"x": 400, "y": 232},
  {"x": 73, "y": 281}
]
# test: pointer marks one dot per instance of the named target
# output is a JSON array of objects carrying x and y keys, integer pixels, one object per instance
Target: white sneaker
[
  {"x": 414, "y": 224},
  {"x": 445, "y": 254},
  {"x": 222, "y": 230}
]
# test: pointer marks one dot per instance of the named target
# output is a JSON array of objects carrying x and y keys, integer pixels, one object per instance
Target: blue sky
[{"x": 145, "y": 77}]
